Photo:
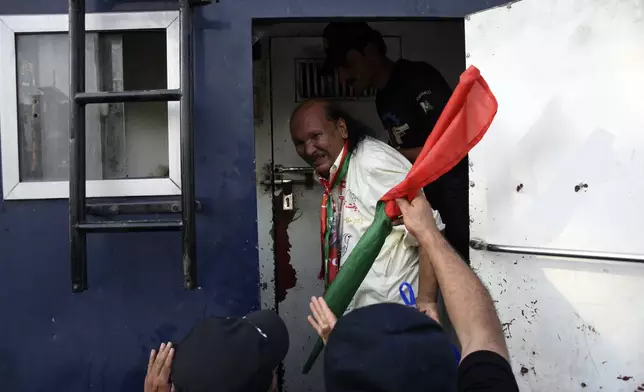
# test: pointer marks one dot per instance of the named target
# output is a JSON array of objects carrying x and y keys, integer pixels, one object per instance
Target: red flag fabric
[{"x": 465, "y": 119}]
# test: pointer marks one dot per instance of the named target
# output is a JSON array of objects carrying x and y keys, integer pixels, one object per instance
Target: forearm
[
  {"x": 468, "y": 302},
  {"x": 427, "y": 286}
]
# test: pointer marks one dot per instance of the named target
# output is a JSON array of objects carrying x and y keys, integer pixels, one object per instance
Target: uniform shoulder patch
[
  {"x": 423, "y": 100},
  {"x": 426, "y": 106}
]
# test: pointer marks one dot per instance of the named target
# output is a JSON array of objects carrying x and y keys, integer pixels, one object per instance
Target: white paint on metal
[{"x": 569, "y": 81}]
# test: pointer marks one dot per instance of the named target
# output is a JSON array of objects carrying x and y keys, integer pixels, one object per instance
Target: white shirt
[{"x": 375, "y": 168}]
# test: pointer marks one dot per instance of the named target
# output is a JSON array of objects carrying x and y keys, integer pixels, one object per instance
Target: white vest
[{"x": 375, "y": 168}]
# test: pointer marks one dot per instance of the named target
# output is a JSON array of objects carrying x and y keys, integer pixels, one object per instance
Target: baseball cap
[
  {"x": 340, "y": 37},
  {"x": 389, "y": 347},
  {"x": 231, "y": 354}
]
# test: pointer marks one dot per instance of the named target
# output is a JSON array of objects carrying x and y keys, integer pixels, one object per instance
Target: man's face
[
  {"x": 357, "y": 70},
  {"x": 317, "y": 140}
]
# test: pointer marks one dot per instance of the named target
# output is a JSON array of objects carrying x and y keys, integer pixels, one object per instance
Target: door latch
[
  {"x": 274, "y": 176},
  {"x": 287, "y": 197}
]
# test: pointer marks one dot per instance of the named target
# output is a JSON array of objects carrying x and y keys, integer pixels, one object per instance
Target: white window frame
[{"x": 11, "y": 25}]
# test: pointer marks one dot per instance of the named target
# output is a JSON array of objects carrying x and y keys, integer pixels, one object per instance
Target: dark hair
[
  {"x": 373, "y": 37},
  {"x": 356, "y": 129},
  {"x": 376, "y": 38}
]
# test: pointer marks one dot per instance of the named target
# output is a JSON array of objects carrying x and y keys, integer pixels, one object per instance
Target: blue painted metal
[{"x": 100, "y": 340}]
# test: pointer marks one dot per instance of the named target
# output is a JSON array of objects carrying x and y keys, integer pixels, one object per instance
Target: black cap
[
  {"x": 231, "y": 354},
  {"x": 389, "y": 347},
  {"x": 340, "y": 37}
]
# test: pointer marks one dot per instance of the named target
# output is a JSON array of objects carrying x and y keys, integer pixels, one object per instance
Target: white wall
[{"x": 569, "y": 77}]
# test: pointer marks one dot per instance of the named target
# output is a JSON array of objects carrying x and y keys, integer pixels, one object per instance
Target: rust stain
[{"x": 285, "y": 275}]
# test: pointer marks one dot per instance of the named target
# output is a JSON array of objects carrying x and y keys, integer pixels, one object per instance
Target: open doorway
[{"x": 287, "y": 60}]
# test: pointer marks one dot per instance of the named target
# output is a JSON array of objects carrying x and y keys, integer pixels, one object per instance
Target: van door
[{"x": 561, "y": 168}]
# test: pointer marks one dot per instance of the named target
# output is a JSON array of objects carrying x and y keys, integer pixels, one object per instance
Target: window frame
[{"x": 10, "y": 25}]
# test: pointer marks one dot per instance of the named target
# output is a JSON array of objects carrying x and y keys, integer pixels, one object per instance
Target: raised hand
[
  {"x": 158, "y": 377},
  {"x": 322, "y": 320}
]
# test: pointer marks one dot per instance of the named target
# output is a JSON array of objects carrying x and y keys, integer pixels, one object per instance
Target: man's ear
[{"x": 342, "y": 127}]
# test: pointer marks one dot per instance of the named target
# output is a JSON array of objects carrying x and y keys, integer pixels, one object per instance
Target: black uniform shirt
[
  {"x": 411, "y": 103},
  {"x": 409, "y": 106}
]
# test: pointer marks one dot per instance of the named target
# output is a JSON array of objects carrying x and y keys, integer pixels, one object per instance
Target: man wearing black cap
[
  {"x": 389, "y": 347},
  {"x": 223, "y": 354},
  {"x": 411, "y": 97}
]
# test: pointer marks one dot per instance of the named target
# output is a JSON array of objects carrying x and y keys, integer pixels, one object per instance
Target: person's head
[
  {"x": 231, "y": 354},
  {"x": 320, "y": 129},
  {"x": 356, "y": 51},
  {"x": 389, "y": 347}
]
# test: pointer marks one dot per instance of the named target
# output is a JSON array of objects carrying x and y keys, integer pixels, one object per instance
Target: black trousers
[{"x": 450, "y": 195}]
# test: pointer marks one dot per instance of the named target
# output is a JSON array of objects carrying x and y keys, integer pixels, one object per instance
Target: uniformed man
[{"x": 410, "y": 98}]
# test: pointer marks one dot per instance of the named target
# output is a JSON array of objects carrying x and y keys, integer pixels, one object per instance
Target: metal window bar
[
  {"x": 310, "y": 83},
  {"x": 79, "y": 226},
  {"x": 478, "y": 244}
]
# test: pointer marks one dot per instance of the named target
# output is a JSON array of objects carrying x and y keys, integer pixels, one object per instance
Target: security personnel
[{"x": 410, "y": 98}]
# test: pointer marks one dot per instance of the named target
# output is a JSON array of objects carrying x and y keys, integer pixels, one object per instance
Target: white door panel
[{"x": 568, "y": 78}]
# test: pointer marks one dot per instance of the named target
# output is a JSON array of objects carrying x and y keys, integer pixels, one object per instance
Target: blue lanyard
[{"x": 411, "y": 300}]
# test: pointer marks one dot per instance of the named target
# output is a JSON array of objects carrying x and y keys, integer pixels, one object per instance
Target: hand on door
[
  {"x": 323, "y": 319},
  {"x": 157, "y": 378}
]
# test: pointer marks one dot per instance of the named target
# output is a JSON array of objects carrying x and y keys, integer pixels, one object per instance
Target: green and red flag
[{"x": 465, "y": 119}]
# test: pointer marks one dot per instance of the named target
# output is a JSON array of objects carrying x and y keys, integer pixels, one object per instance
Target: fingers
[
  {"x": 158, "y": 361},
  {"x": 153, "y": 355},
  {"x": 168, "y": 360},
  {"x": 167, "y": 364},
  {"x": 316, "y": 311},
  {"x": 419, "y": 197},
  {"x": 324, "y": 314},
  {"x": 398, "y": 221},
  {"x": 159, "y": 365},
  {"x": 403, "y": 204},
  {"x": 315, "y": 325},
  {"x": 322, "y": 331},
  {"x": 164, "y": 350},
  {"x": 156, "y": 367},
  {"x": 322, "y": 319},
  {"x": 328, "y": 314}
]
